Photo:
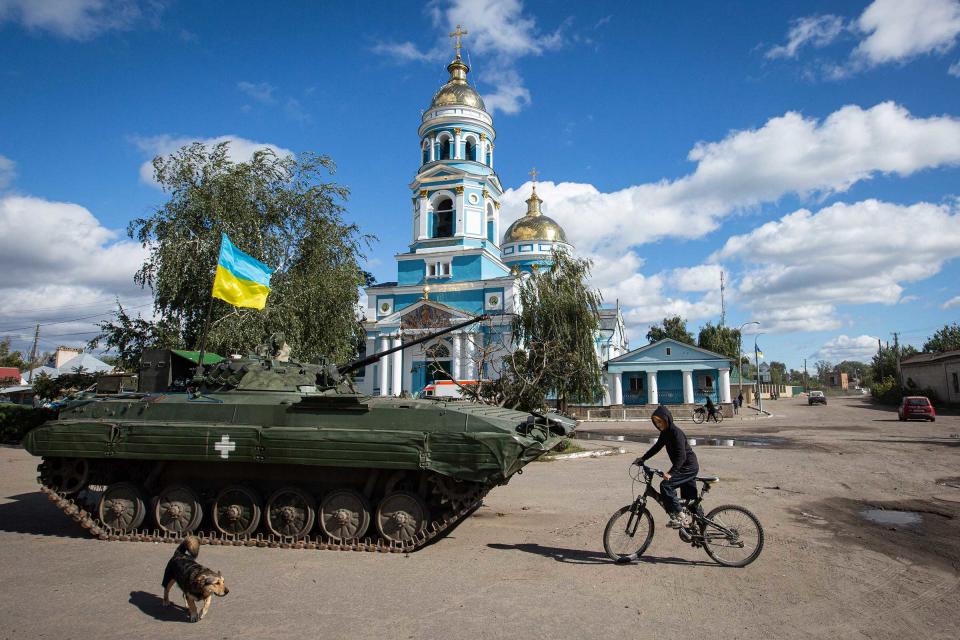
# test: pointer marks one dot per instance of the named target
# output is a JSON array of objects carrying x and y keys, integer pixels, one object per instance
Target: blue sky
[{"x": 809, "y": 150}]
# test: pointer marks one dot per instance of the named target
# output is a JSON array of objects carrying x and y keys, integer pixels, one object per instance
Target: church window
[
  {"x": 445, "y": 144},
  {"x": 636, "y": 385},
  {"x": 708, "y": 382},
  {"x": 425, "y": 152},
  {"x": 471, "y": 150},
  {"x": 439, "y": 269},
  {"x": 437, "y": 351},
  {"x": 443, "y": 219}
]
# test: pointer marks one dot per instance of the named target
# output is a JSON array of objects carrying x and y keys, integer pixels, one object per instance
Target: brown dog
[{"x": 195, "y": 581}]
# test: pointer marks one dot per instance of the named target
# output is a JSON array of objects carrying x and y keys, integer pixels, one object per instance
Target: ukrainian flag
[{"x": 241, "y": 280}]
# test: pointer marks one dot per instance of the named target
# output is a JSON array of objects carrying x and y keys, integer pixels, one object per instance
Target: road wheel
[
  {"x": 236, "y": 510},
  {"x": 628, "y": 534},
  {"x": 401, "y": 516},
  {"x": 344, "y": 515},
  {"x": 290, "y": 511},
  {"x": 122, "y": 506},
  {"x": 732, "y": 536},
  {"x": 65, "y": 475},
  {"x": 177, "y": 509}
]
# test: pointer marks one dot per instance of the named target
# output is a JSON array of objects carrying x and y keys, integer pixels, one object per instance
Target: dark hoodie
[{"x": 682, "y": 457}]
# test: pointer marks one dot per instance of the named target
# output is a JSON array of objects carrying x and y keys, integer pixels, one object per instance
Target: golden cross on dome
[
  {"x": 459, "y": 33},
  {"x": 534, "y": 173}
]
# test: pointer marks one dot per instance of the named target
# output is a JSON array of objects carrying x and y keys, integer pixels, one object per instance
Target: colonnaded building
[{"x": 459, "y": 264}]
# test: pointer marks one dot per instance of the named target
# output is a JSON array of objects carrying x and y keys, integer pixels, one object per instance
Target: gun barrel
[{"x": 359, "y": 363}]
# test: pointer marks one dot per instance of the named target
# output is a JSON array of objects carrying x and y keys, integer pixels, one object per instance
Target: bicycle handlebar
[{"x": 648, "y": 470}]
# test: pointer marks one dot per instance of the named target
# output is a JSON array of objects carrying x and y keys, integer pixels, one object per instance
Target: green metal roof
[{"x": 193, "y": 356}]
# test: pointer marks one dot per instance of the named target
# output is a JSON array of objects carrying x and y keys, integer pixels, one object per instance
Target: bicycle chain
[{"x": 99, "y": 530}]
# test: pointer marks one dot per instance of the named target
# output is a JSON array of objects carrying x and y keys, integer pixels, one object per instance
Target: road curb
[{"x": 595, "y": 453}]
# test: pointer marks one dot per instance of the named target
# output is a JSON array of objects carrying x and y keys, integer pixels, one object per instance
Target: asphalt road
[{"x": 530, "y": 563}]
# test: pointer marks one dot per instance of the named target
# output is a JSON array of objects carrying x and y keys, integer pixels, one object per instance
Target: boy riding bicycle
[{"x": 684, "y": 469}]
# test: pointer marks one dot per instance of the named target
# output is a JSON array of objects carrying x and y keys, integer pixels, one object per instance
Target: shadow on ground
[
  {"x": 152, "y": 605},
  {"x": 585, "y": 556},
  {"x": 33, "y": 513}
]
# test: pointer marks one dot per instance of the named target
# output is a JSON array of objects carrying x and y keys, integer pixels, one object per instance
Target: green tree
[
  {"x": 9, "y": 357},
  {"x": 719, "y": 339},
  {"x": 778, "y": 372},
  {"x": 885, "y": 363},
  {"x": 824, "y": 367},
  {"x": 945, "y": 339},
  {"x": 282, "y": 211},
  {"x": 675, "y": 327},
  {"x": 554, "y": 336}
]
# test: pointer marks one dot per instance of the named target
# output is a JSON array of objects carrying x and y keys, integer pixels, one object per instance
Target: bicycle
[
  {"x": 731, "y": 535},
  {"x": 700, "y": 414}
]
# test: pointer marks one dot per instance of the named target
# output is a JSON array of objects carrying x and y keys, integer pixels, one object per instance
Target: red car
[{"x": 918, "y": 407}]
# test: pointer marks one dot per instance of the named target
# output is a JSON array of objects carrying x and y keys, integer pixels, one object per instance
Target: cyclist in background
[
  {"x": 684, "y": 464},
  {"x": 711, "y": 410}
]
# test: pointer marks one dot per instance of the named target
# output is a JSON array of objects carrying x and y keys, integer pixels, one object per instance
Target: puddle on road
[
  {"x": 892, "y": 517},
  {"x": 699, "y": 441}
]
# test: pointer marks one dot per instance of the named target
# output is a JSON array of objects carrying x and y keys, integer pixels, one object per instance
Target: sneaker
[{"x": 675, "y": 521}]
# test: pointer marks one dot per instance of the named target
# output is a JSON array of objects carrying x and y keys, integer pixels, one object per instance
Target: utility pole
[
  {"x": 806, "y": 388},
  {"x": 33, "y": 354},
  {"x": 879, "y": 360},
  {"x": 723, "y": 304},
  {"x": 896, "y": 353},
  {"x": 756, "y": 360}
]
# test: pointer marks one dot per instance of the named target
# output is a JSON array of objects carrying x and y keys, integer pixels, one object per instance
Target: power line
[{"x": 47, "y": 324}]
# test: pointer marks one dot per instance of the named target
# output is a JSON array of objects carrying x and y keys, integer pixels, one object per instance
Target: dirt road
[{"x": 530, "y": 563}]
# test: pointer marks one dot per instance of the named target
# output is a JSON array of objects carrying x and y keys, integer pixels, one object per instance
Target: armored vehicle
[{"x": 267, "y": 451}]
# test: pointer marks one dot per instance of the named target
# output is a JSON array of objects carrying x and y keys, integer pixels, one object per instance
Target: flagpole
[{"x": 198, "y": 373}]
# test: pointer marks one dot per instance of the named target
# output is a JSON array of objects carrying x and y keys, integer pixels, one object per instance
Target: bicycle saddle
[{"x": 709, "y": 479}]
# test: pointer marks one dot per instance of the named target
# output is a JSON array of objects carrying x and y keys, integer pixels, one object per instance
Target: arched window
[
  {"x": 471, "y": 150},
  {"x": 491, "y": 225},
  {"x": 445, "y": 148},
  {"x": 437, "y": 351},
  {"x": 425, "y": 151},
  {"x": 443, "y": 219}
]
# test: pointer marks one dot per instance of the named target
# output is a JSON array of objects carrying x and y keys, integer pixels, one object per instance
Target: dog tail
[{"x": 190, "y": 546}]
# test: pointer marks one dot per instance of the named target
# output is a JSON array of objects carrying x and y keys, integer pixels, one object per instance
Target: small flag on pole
[{"x": 241, "y": 280}]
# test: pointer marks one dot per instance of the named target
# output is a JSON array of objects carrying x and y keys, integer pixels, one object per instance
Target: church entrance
[{"x": 425, "y": 373}]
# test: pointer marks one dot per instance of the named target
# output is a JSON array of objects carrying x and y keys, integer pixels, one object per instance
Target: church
[{"x": 459, "y": 262}]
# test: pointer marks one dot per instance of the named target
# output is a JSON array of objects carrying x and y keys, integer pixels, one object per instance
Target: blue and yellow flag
[{"x": 241, "y": 280}]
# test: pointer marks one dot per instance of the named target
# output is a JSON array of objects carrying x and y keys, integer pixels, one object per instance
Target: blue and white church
[{"x": 459, "y": 262}]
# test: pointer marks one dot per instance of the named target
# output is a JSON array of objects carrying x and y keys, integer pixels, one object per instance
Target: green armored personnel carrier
[{"x": 270, "y": 452}]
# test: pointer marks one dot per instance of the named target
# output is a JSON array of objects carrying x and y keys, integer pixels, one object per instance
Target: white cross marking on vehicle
[{"x": 225, "y": 446}]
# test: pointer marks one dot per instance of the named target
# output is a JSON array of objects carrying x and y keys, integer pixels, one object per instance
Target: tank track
[{"x": 98, "y": 529}]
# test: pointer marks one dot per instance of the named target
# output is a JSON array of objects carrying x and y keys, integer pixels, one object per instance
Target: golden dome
[
  {"x": 534, "y": 225},
  {"x": 457, "y": 91}
]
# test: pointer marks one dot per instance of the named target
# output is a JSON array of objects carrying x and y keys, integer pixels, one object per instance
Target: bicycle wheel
[
  {"x": 699, "y": 415},
  {"x": 627, "y": 534},
  {"x": 719, "y": 416},
  {"x": 732, "y": 536}
]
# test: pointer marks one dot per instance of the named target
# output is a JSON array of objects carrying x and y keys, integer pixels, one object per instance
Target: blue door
[
  {"x": 425, "y": 373},
  {"x": 670, "y": 387}
]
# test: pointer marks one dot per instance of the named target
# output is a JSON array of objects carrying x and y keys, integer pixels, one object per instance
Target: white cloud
[
  {"x": 8, "y": 171},
  {"x": 78, "y": 19},
  {"x": 896, "y": 30},
  {"x": 800, "y": 267},
  {"x": 816, "y": 31},
  {"x": 954, "y": 69},
  {"x": 705, "y": 277},
  {"x": 788, "y": 154},
  {"x": 498, "y": 30},
  {"x": 951, "y": 303},
  {"x": 60, "y": 263},
  {"x": 836, "y": 350},
  {"x": 240, "y": 150},
  {"x": 259, "y": 91}
]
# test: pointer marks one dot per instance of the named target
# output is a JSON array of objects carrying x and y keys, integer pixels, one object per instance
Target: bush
[
  {"x": 888, "y": 391},
  {"x": 16, "y": 420}
]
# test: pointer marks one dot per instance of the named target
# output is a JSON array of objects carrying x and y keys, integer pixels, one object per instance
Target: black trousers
[{"x": 668, "y": 489}]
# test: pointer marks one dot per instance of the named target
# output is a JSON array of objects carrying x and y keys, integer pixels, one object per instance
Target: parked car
[
  {"x": 816, "y": 397},
  {"x": 917, "y": 407}
]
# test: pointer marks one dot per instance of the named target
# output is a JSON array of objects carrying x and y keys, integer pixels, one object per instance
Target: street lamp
[
  {"x": 756, "y": 360},
  {"x": 740, "y": 353}
]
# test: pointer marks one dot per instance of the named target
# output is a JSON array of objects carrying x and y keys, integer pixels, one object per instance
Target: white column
[
  {"x": 460, "y": 214},
  {"x": 424, "y": 211},
  {"x": 618, "y": 388},
  {"x": 652, "y": 394},
  {"x": 724, "y": 385},
  {"x": 397, "y": 358},
  {"x": 471, "y": 373},
  {"x": 455, "y": 357},
  {"x": 688, "y": 387},
  {"x": 384, "y": 365},
  {"x": 492, "y": 146},
  {"x": 433, "y": 149},
  {"x": 456, "y": 145},
  {"x": 608, "y": 390}
]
